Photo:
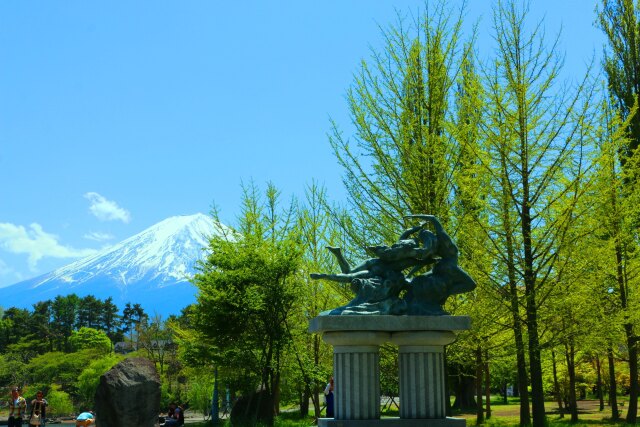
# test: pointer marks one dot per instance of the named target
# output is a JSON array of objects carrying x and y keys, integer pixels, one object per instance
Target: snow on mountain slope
[{"x": 152, "y": 268}]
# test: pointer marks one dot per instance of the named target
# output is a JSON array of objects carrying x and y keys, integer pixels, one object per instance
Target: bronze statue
[{"x": 379, "y": 282}]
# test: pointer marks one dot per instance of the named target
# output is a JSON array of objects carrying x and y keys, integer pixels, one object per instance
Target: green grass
[{"x": 502, "y": 416}]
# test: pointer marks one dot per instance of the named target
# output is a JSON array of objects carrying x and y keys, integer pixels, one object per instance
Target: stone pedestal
[
  {"x": 421, "y": 340},
  {"x": 422, "y": 381},
  {"x": 356, "y": 366}
]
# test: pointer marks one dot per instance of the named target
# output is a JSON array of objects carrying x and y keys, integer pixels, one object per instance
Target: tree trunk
[
  {"x": 623, "y": 288},
  {"x": 556, "y": 384},
  {"x": 571, "y": 369},
  {"x": 599, "y": 383},
  {"x": 535, "y": 363},
  {"x": 447, "y": 387},
  {"x": 304, "y": 402},
  {"x": 522, "y": 390},
  {"x": 464, "y": 389},
  {"x": 479, "y": 370},
  {"x": 487, "y": 384},
  {"x": 316, "y": 387},
  {"x": 632, "y": 344},
  {"x": 613, "y": 398},
  {"x": 276, "y": 394},
  {"x": 530, "y": 283}
]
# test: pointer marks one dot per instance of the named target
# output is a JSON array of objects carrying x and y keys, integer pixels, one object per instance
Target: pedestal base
[
  {"x": 420, "y": 340},
  {"x": 394, "y": 422}
]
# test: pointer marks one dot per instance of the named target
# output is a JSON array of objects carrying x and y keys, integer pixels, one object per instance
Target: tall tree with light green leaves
[
  {"x": 616, "y": 247},
  {"x": 313, "y": 357},
  {"x": 540, "y": 150},
  {"x": 398, "y": 159},
  {"x": 620, "y": 21},
  {"x": 248, "y": 289}
]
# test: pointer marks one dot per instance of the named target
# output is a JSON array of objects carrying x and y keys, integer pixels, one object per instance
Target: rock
[
  {"x": 256, "y": 407},
  {"x": 129, "y": 395}
]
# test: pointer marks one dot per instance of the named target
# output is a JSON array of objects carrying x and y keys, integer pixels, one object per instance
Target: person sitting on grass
[{"x": 175, "y": 416}]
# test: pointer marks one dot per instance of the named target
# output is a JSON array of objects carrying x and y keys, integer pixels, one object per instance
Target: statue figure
[{"x": 379, "y": 282}]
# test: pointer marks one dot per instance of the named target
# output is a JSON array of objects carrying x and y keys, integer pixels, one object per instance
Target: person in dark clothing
[
  {"x": 328, "y": 396},
  {"x": 38, "y": 412}
]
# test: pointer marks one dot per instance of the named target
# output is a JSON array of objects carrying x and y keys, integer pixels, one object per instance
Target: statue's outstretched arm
[{"x": 341, "y": 277}]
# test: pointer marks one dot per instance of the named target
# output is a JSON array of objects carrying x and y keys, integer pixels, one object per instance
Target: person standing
[
  {"x": 17, "y": 408},
  {"x": 38, "y": 412},
  {"x": 328, "y": 397}
]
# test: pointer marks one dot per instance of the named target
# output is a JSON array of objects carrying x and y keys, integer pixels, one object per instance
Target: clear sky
[{"x": 115, "y": 115}]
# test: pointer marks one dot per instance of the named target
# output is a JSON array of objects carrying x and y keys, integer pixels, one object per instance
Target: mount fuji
[{"x": 152, "y": 268}]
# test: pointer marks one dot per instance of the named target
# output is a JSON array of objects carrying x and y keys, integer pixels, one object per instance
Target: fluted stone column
[
  {"x": 356, "y": 366},
  {"x": 422, "y": 381},
  {"x": 356, "y": 363}
]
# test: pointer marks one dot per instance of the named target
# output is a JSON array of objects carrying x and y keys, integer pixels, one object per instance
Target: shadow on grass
[{"x": 285, "y": 419}]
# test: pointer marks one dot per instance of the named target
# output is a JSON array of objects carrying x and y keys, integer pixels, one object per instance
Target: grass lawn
[
  {"x": 502, "y": 416},
  {"x": 508, "y": 415}
]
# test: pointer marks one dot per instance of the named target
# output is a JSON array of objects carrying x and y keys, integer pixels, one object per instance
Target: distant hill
[{"x": 152, "y": 269}]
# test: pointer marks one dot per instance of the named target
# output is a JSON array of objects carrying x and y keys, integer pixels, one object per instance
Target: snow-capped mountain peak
[{"x": 162, "y": 256}]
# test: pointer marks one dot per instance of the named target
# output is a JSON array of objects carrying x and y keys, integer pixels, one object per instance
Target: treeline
[
  {"x": 50, "y": 324},
  {"x": 63, "y": 346}
]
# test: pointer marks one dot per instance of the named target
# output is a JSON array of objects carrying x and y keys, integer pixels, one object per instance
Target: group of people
[
  {"x": 36, "y": 412},
  {"x": 36, "y": 415},
  {"x": 175, "y": 416}
]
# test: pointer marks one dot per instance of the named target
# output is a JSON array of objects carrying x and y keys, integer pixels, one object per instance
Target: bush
[
  {"x": 59, "y": 402},
  {"x": 89, "y": 379}
]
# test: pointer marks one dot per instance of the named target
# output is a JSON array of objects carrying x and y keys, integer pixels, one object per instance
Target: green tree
[
  {"x": 64, "y": 312},
  {"x": 542, "y": 131},
  {"x": 399, "y": 158},
  {"x": 313, "y": 357},
  {"x": 89, "y": 309},
  {"x": 91, "y": 339},
  {"x": 89, "y": 378},
  {"x": 247, "y": 289},
  {"x": 60, "y": 368},
  {"x": 616, "y": 243},
  {"x": 109, "y": 319},
  {"x": 133, "y": 317},
  {"x": 619, "y": 19},
  {"x": 60, "y": 403},
  {"x": 156, "y": 339}
]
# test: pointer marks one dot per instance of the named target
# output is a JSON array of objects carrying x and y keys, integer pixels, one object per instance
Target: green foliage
[
  {"x": 90, "y": 339},
  {"x": 200, "y": 390},
  {"x": 89, "y": 378},
  {"x": 248, "y": 291},
  {"x": 400, "y": 156},
  {"x": 13, "y": 371},
  {"x": 60, "y": 368},
  {"x": 619, "y": 19},
  {"x": 59, "y": 402}
]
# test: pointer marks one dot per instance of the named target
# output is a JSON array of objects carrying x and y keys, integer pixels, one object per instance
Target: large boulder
[
  {"x": 129, "y": 395},
  {"x": 256, "y": 407}
]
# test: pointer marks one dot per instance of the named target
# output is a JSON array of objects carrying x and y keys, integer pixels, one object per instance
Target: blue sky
[{"x": 116, "y": 115}]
